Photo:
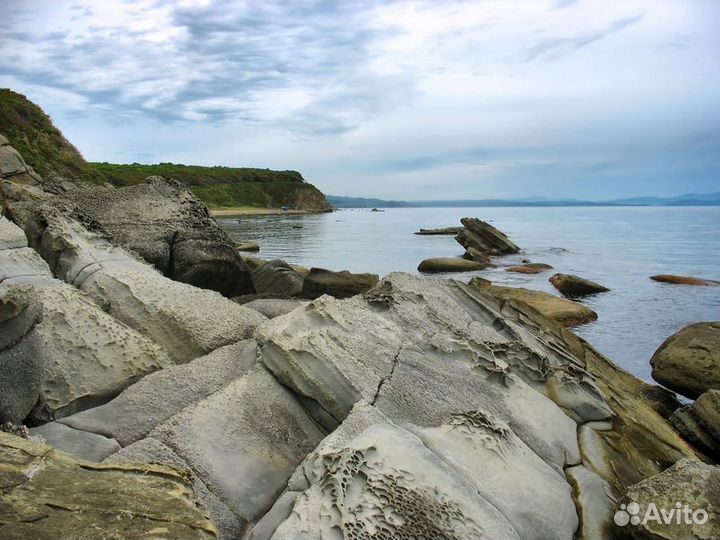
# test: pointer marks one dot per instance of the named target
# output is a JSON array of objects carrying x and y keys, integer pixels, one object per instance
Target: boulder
[
  {"x": 529, "y": 268},
  {"x": 247, "y": 246},
  {"x": 688, "y": 362},
  {"x": 338, "y": 284},
  {"x": 21, "y": 355},
  {"x": 561, "y": 310},
  {"x": 649, "y": 509},
  {"x": 571, "y": 285},
  {"x": 484, "y": 238},
  {"x": 48, "y": 494},
  {"x": 277, "y": 278},
  {"x": 14, "y": 168},
  {"x": 169, "y": 227},
  {"x": 685, "y": 280},
  {"x": 435, "y": 232},
  {"x": 449, "y": 264},
  {"x": 89, "y": 446},
  {"x": 699, "y": 423},
  {"x": 272, "y": 308}
]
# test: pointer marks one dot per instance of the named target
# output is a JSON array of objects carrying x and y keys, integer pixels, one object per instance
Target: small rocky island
[{"x": 155, "y": 383}]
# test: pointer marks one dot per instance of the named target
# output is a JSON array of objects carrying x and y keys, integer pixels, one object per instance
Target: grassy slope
[
  {"x": 40, "y": 143},
  {"x": 45, "y": 149}
]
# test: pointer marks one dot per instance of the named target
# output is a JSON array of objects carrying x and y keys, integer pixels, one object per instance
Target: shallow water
[{"x": 617, "y": 247}]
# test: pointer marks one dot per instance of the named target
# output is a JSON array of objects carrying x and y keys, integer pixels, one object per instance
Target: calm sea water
[{"x": 618, "y": 247}]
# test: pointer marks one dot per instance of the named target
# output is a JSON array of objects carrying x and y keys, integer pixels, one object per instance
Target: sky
[{"x": 590, "y": 99}]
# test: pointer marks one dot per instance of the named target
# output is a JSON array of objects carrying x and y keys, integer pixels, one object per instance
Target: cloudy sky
[{"x": 411, "y": 100}]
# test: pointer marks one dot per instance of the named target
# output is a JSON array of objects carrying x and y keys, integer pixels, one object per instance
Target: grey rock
[
  {"x": 435, "y": 232},
  {"x": 338, "y": 284},
  {"x": 271, "y": 307},
  {"x": 699, "y": 423},
  {"x": 85, "y": 445},
  {"x": 571, "y": 285},
  {"x": 277, "y": 278},
  {"x": 688, "y": 362},
  {"x": 595, "y": 503},
  {"x": 481, "y": 239},
  {"x": 3, "y": 140},
  {"x": 149, "y": 402}
]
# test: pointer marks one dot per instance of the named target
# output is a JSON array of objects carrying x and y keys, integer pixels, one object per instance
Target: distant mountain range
[{"x": 689, "y": 199}]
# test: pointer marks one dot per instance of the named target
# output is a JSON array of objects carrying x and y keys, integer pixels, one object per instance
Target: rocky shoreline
[{"x": 317, "y": 404}]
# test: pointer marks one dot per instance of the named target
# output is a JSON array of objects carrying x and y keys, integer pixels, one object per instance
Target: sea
[{"x": 619, "y": 247}]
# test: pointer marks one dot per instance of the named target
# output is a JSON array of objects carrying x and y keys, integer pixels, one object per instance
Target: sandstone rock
[
  {"x": 48, "y": 494},
  {"x": 14, "y": 168},
  {"x": 170, "y": 228},
  {"x": 699, "y": 423},
  {"x": 89, "y": 446},
  {"x": 247, "y": 246},
  {"x": 152, "y": 400},
  {"x": 561, "y": 310},
  {"x": 691, "y": 484},
  {"x": 444, "y": 231},
  {"x": 253, "y": 263},
  {"x": 21, "y": 356},
  {"x": 338, "y": 284},
  {"x": 277, "y": 278},
  {"x": 272, "y": 308},
  {"x": 595, "y": 503},
  {"x": 484, "y": 238},
  {"x": 449, "y": 264},
  {"x": 685, "y": 280},
  {"x": 571, "y": 285},
  {"x": 688, "y": 362},
  {"x": 186, "y": 321},
  {"x": 529, "y": 268}
]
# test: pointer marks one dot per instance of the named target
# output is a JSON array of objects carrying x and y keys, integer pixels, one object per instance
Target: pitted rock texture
[
  {"x": 186, "y": 321},
  {"x": 89, "y": 356},
  {"x": 104, "y": 501},
  {"x": 170, "y": 228}
]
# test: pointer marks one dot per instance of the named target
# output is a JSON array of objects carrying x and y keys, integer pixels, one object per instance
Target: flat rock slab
[
  {"x": 82, "y": 444},
  {"x": 48, "y": 494},
  {"x": 688, "y": 362},
  {"x": 529, "y": 268},
  {"x": 442, "y": 231},
  {"x": 685, "y": 280},
  {"x": 449, "y": 264}
]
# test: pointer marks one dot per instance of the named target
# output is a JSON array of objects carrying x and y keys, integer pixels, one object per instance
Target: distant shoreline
[{"x": 255, "y": 211}]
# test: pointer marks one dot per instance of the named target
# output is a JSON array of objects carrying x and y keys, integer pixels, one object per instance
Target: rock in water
[
  {"x": 450, "y": 264},
  {"x": 167, "y": 226},
  {"x": 699, "y": 423},
  {"x": 277, "y": 278},
  {"x": 338, "y": 284},
  {"x": 571, "y": 285},
  {"x": 481, "y": 239},
  {"x": 692, "y": 485},
  {"x": 22, "y": 361},
  {"x": 48, "y": 494},
  {"x": 561, "y": 310},
  {"x": 435, "y": 232},
  {"x": 529, "y": 268},
  {"x": 688, "y": 362},
  {"x": 685, "y": 280}
]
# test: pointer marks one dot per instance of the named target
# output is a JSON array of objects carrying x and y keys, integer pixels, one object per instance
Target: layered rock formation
[{"x": 480, "y": 240}]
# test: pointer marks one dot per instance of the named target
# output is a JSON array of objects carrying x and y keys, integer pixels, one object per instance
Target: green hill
[{"x": 31, "y": 132}]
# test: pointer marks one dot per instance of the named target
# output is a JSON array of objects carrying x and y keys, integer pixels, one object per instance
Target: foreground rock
[
  {"x": 529, "y": 268},
  {"x": 692, "y": 485},
  {"x": 450, "y": 264},
  {"x": 338, "y": 284},
  {"x": 48, "y": 494},
  {"x": 571, "y": 285},
  {"x": 480, "y": 239},
  {"x": 688, "y": 362},
  {"x": 685, "y": 280},
  {"x": 435, "y": 232},
  {"x": 274, "y": 307},
  {"x": 561, "y": 310},
  {"x": 699, "y": 423},
  {"x": 457, "y": 416}
]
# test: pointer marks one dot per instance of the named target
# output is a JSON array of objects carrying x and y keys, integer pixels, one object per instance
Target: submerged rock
[
  {"x": 688, "y": 362},
  {"x": 561, "y": 310},
  {"x": 481, "y": 239},
  {"x": 338, "y": 284},
  {"x": 571, "y": 285},
  {"x": 48, "y": 494},
  {"x": 449, "y": 264},
  {"x": 444, "y": 231},
  {"x": 685, "y": 280},
  {"x": 529, "y": 268},
  {"x": 699, "y": 423}
]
